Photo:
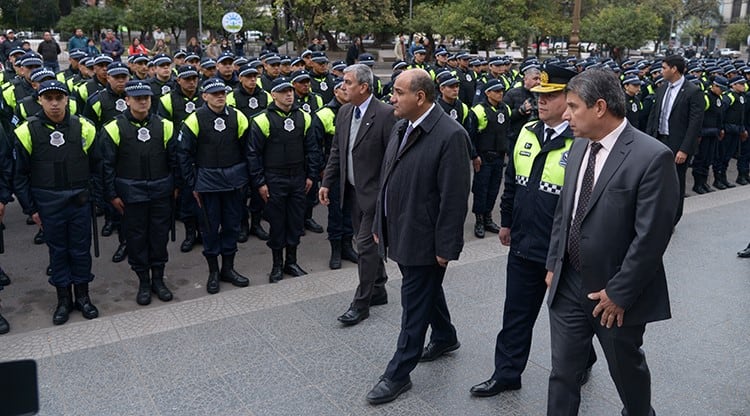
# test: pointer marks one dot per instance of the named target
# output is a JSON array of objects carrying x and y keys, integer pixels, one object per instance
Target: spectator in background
[
  {"x": 400, "y": 48},
  {"x": 137, "y": 47},
  {"x": 158, "y": 35},
  {"x": 112, "y": 47},
  {"x": 213, "y": 51},
  {"x": 91, "y": 48},
  {"x": 268, "y": 46},
  {"x": 225, "y": 47},
  {"x": 239, "y": 44},
  {"x": 354, "y": 51},
  {"x": 50, "y": 50},
  {"x": 317, "y": 45},
  {"x": 78, "y": 41},
  {"x": 25, "y": 45},
  {"x": 10, "y": 43},
  {"x": 160, "y": 47},
  {"x": 193, "y": 47}
]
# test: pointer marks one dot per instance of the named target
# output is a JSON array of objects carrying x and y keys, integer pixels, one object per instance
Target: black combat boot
[
  {"x": 144, "y": 288},
  {"x": 479, "y": 226},
  {"x": 335, "y": 262},
  {"x": 190, "y": 236},
  {"x": 290, "y": 266},
  {"x": 278, "y": 264},
  {"x": 4, "y": 326},
  {"x": 228, "y": 274},
  {"x": 83, "y": 301},
  {"x": 121, "y": 253},
  {"x": 157, "y": 284},
  {"x": 718, "y": 183},
  {"x": 490, "y": 225},
  {"x": 39, "y": 237},
  {"x": 726, "y": 182},
  {"x": 347, "y": 250},
  {"x": 212, "y": 286},
  {"x": 742, "y": 179},
  {"x": 64, "y": 306},
  {"x": 256, "y": 229},
  {"x": 244, "y": 234},
  {"x": 699, "y": 182}
]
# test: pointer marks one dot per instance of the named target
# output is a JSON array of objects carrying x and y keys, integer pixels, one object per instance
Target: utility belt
[{"x": 490, "y": 155}]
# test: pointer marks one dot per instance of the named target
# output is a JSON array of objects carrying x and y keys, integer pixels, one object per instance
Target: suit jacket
[
  {"x": 685, "y": 119},
  {"x": 425, "y": 188},
  {"x": 367, "y": 154},
  {"x": 626, "y": 227}
]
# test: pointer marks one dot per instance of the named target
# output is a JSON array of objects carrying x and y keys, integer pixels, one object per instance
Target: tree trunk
[{"x": 333, "y": 44}]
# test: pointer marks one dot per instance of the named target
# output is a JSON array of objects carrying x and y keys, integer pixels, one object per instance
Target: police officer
[
  {"x": 712, "y": 131},
  {"x": 138, "y": 160},
  {"x": 284, "y": 161},
  {"x": 207, "y": 68},
  {"x": 521, "y": 100},
  {"x": 468, "y": 79},
  {"x": 212, "y": 155},
  {"x": 420, "y": 55},
  {"x": 72, "y": 74},
  {"x": 321, "y": 81},
  {"x": 20, "y": 87},
  {"x": 225, "y": 69},
  {"x": 6, "y": 177},
  {"x": 29, "y": 105},
  {"x": 743, "y": 158},
  {"x": 340, "y": 229},
  {"x": 52, "y": 173},
  {"x": 176, "y": 107},
  {"x": 632, "y": 86},
  {"x": 377, "y": 85},
  {"x": 449, "y": 102},
  {"x": 97, "y": 83},
  {"x": 533, "y": 182},
  {"x": 10, "y": 70},
  {"x": 491, "y": 143},
  {"x": 734, "y": 132},
  {"x": 271, "y": 71},
  {"x": 249, "y": 98},
  {"x": 163, "y": 80}
]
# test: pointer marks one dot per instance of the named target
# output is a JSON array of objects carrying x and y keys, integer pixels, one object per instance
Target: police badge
[
  {"x": 500, "y": 118},
  {"x": 306, "y": 107},
  {"x": 189, "y": 107},
  {"x": 253, "y": 103},
  {"x": 742, "y": 100},
  {"x": 635, "y": 107},
  {"x": 468, "y": 78},
  {"x": 144, "y": 135},
  {"x": 453, "y": 114},
  {"x": 56, "y": 139},
  {"x": 219, "y": 125},
  {"x": 120, "y": 105},
  {"x": 323, "y": 86},
  {"x": 165, "y": 89},
  {"x": 564, "y": 159},
  {"x": 289, "y": 124},
  {"x": 718, "y": 102}
]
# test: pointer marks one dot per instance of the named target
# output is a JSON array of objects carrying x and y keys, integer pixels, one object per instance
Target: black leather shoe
[
  {"x": 83, "y": 301},
  {"x": 157, "y": 285},
  {"x": 39, "y": 237},
  {"x": 707, "y": 188},
  {"x": 354, "y": 316},
  {"x": 347, "y": 250},
  {"x": 236, "y": 279},
  {"x": 64, "y": 305},
  {"x": 256, "y": 229},
  {"x": 4, "y": 278},
  {"x": 30, "y": 220},
  {"x": 107, "y": 229},
  {"x": 479, "y": 227},
  {"x": 334, "y": 263},
  {"x": 121, "y": 253},
  {"x": 489, "y": 225},
  {"x": 380, "y": 299},
  {"x": 719, "y": 185},
  {"x": 277, "y": 272},
  {"x": 585, "y": 376},
  {"x": 741, "y": 180},
  {"x": 244, "y": 234},
  {"x": 294, "y": 270},
  {"x": 4, "y": 326},
  {"x": 212, "y": 285},
  {"x": 698, "y": 189},
  {"x": 387, "y": 391},
  {"x": 434, "y": 350},
  {"x": 143, "y": 295},
  {"x": 491, "y": 388},
  {"x": 744, "y": 253},
  {"x": 313, "y": 226}
]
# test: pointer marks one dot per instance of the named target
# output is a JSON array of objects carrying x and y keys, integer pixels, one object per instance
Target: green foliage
[
  {"x": 32, "y": 14},
  {"x": 480, "y": 21},
  {"x": 737, "y": 34},
  {"x": 621, "y": 26},
  {"x": 92, "y": 19}
]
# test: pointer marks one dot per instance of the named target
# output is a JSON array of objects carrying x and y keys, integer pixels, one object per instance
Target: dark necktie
[
  {"x": 550, "y": 132},
  {"x": 357, "y": 113},
  {"x": 409, "y": 129},
  {"x": 587, "y": 185}
]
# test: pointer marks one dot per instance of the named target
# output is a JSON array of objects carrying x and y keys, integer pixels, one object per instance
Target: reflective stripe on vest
[{"x": 525, "y": 152}]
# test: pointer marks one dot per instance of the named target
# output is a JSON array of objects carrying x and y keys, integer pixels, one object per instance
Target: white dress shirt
[
  {"x": 354, "y": 129},
  {"x": 666, "y": 109}
]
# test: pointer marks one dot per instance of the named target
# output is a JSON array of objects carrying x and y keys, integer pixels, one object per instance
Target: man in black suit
[
  {"x": 419, "y": 222},
  {"x": 612, "y": 225},
  {"x": 363, "y": 129},
  {"x": 676, "y": 118}
]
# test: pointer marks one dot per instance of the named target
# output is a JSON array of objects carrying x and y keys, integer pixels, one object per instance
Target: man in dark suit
[
  {"x": 419, "y": 222},
  {"x": 362, "y": 133},
  {"x": 676, "y": 118},
  {"x": 612, "y": 225}
]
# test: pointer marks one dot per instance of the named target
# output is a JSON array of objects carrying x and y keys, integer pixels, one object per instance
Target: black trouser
[
  {"x": 147, "y": 227},
  {"x": 487, "y": 182},
  {"x": 681, "y": 172},
  {"x": 705, "y": 156},
  {"x": 339, "y": 219},
  {"x": 372, "y": 276},
  {"x": 224, "y": 213},
  {"x": 572, "y": 327},
  {"x": 312, "y": 199},
  {"x": 423, "y": 303},
  {"x": 285, "y": 208},
  {"x": 255, "y": 205}
]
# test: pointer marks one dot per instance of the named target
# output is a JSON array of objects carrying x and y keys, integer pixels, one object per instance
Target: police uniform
[
  {"x": 633, "y": 106},
  {"x": 233, "y": 80},
  {"x": 52, "y": 172},
  {"x": 212, "y": 155},
  {"x": 18, "y": 88},
  {"x": 283, "y": 155},
  {"x": 176, "y": 107},
  {"x": 6, "y": 176},
  {"x": 491, "y": 143},
  {"x": 90, "y": 87},
  {"x": 734, "y": 127},
  {"x": 72, "y": 76},
  {"x": 138, "y": 160},
  {"x": 159, "y": 87},
  {"x": 468, "y": 79},
  {"x": 377, "y": 85},
  {"x": 711, "y": 130},
  {"x": 515, "y": 98},
  {"x": 250, "y": 104},
  {"x": 29, "y": 105},
  {"x": 321, "y": 83},
  {"x": 458, "y": 111}
]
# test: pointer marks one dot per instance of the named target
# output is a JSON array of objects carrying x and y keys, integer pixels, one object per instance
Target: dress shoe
[
  {"x": 39, "y": 237},
  {"x": 290, "y": 265},
  {"x": 244, "y": 234},
  {"x": 107, "y": 228},
  {"x": 256, "y": 229},
  {"x": 489, "y": 225},
  {"x": 120, "y": 254},
  {"x": 380, "y": 299},
  {"x": 479, "y": 227},
  {"x": 492, "y": 387},
  {"x": 83, "y": 301},
  {"x": 354, "y": 316},
  {"x": 30, "y": 220},
  {"x": 744, "y": 253},
  {"x": 387, "y": 391},
  {"x": 741, "y": 180},
  {"x": 228, "y": 274},
  {"x": 433, "y": 350},
  {"x": 4, "y": 278},
  {"x": 4, "y": 326},
  {"x": 313, "y": 226}
]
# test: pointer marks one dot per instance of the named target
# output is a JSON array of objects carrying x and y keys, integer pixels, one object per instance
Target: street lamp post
[
  {"x": 200, "y": 21},
  {"x": 573, "y": 42}
]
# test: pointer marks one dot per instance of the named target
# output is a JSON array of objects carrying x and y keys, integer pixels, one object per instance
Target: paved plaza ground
[{"x": 278, "y": 349}]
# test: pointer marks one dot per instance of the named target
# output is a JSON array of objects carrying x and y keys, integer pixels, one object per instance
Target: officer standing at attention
[
  {"x": 6, "y": 176},
  {"x": 52, "y": 173},
  {"x": 176, "y": 107},
  {"x": 284, "y": 162},
  {"x": 322, "y": 80},
  {"x": 457, "y": 110},
  {"x": 212, "y": 155},
  {"x": 163, "y": 81},
  {"x": 491, "y": 144},
  {"x": 712, "y": 131},
  {"x": 633, "y": 106},
  {"x": 251, "y": 100},
  {"x": 138, "y": 160},
  {"x": 468, "y": 78},
  {"x": 734, "y": 128}
]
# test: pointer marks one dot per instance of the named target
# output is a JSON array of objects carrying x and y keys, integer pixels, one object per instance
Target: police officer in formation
[
  {"x": 212, "y": 156},
  {"x": 632, "y": 86},
  {"x": 734, "y": 132},
  {"x": 6, "y": 186},
  {"x": 285, "y": 161},
  {"x": 712, "y": 131},
  {"x": 138, "y": 161}
]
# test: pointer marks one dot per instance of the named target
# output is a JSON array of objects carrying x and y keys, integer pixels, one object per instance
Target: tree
[
  {"x": 34, "y": 14},
  {"x": 737, "y": 35},
  {"x": 483, "y": 22},
  {"x": 621, "y": 27},
  {"x": 92, "y": 19}
]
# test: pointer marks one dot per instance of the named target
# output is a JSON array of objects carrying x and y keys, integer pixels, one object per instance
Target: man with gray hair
[
  {"x": 363, "y": 129},
  {"x": 604, "y": 266},
  {"x": 522, "y": 101}
]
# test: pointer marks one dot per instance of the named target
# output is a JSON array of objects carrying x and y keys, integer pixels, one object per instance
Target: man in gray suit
[
  {"x": 419, "y": 223},
  {"x": 612, "y": 225},
  {"x": 363, "y": 128}
]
